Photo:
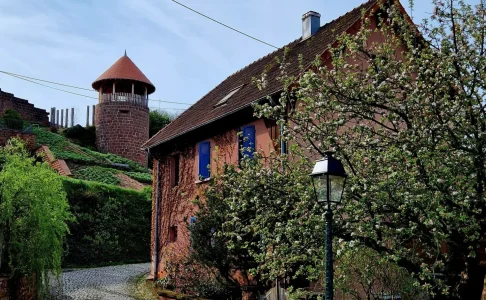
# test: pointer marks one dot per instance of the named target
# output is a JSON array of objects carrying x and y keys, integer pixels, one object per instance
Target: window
[
  {"x": 192, "y": 221},
  {"x": 204, "y": 160},
  {"x": 274, "y": 131},
  {"x": 174, "y": 169},
  {"x": 172, "y": 234},
  {"x": 246, "y": 142},
  {"x": 225, "y": 99}
]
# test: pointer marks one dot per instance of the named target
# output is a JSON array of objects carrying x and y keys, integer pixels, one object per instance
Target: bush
[
  {"x": 82, "y": 136},
  {"x": 13, "y": 120},
  {"x": 186, "y": 276},
  {"x": 113, "y": 224}
]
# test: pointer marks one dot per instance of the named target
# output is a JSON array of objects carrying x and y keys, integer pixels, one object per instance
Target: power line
[
  {"x": 37, "y": 79},
  {"x": 193, "y": 10},
  {"x": 86, "y": 96},
  {"x": 34, "y": 80},
  {"x": 51, "y": 87}
]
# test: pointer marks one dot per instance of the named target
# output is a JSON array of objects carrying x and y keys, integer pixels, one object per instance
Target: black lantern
[{"x": 329, "y": 177}]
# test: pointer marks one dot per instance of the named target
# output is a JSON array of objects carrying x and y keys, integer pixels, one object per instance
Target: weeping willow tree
[{"x": 33, "y": 217}]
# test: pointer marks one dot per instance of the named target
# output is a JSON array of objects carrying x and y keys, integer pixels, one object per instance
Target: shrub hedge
[{"x": 112, "y": 224}]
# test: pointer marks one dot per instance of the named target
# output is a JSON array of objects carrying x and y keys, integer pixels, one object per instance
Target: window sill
[{"x": 202, "y": 180}]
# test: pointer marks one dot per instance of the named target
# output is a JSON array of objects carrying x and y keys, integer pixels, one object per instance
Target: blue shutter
[
  {"x": 204, "y": 159},
  {"x": 249, "y": 140},
  {"x": 192, "y": 220}
]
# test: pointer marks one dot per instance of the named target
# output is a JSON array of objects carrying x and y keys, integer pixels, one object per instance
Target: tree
[
  {"x": 33, "y": 217},
  {"x": 407, "y": 116},
  {"x": 158, "y": 120},
  {"x": 260, "y": 219}
]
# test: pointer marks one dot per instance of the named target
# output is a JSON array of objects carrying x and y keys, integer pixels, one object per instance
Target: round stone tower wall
[{"x": 122, "y": 128}]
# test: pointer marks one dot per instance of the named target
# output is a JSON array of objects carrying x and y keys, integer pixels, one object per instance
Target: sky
[{"x": 183, "y": 54}]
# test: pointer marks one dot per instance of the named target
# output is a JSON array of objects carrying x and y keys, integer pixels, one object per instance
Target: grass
[{"x": 142, "y": 290}]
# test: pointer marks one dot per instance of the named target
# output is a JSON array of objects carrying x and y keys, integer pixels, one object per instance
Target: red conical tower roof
[{"x": 124, "y": 68}]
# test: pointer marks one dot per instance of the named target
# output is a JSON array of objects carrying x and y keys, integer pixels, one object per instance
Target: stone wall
[
  {"x": 122, "y": 128},
  {"x": 28, "y": 138},
  {"x": 26, "y": 289},
  {"x": 27, "y": 110}
]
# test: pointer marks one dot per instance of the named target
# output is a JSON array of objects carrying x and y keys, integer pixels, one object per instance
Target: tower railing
[{"x": 124, "y": 97}]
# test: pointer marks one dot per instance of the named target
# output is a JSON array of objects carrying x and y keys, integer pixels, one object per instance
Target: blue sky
[{"x": 182, "y": 53}]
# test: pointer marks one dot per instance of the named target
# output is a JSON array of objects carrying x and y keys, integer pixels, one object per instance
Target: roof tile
[{"x": 124, "y": 68}]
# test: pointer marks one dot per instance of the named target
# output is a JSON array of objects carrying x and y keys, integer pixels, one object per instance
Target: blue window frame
[
  {"x": 204, "y": 160},
  {"x": 247, "y": 142},
  {"x": 192, "y": 220}
]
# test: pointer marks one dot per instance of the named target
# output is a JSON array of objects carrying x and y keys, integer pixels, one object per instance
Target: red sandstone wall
[
  {"x": 176, "y": 202},
  {"x": 27, "y": 110},
  {"x": 28, "y": 138},
  {"x": 122, "y": 128},
  {"x": 26, "y": 290}
]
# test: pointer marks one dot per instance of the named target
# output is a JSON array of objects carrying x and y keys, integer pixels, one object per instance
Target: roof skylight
[{"x": 225, "y": 99}]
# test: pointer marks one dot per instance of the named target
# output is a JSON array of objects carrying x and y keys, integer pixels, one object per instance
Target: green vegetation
[
  {"x": 63, "y": 148},
  {"x": 12, "y": 120},
  {"x": 408, "y": 121},
  {"x": 141, "y": 177},
  {"x": 158, "y": 120},
  {"x": 98, "y": 174},
  {"x": 85, "y": 137},
  {"x": 112, "y": 224},
  {"x": 33, "y": 219}
]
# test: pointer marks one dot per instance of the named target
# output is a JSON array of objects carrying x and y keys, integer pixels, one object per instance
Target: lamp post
[{"x": 328, "y": 179}]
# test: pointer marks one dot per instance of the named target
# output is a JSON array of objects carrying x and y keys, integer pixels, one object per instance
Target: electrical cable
[{"x": 216, "y": 21}]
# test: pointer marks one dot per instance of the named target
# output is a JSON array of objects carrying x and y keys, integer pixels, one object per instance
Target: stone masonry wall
[
  {"x": 122, "y": 128},
  {"x": 27, "y": 110},
  {"x": 28, "y": 138}
]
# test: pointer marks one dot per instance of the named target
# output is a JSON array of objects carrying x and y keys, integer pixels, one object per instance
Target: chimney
[{"x": 311, "y": 22}]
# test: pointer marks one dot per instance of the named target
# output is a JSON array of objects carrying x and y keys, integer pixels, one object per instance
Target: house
[{"x": 207, "y": 132}]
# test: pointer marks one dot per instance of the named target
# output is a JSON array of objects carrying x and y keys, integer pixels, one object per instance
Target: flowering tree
[
  {"x": 258, "y": 223},
  {"x": 407, "y": 117}
]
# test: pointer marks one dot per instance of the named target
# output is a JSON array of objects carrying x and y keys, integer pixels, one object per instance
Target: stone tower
[{"x": 122, "y": 113}]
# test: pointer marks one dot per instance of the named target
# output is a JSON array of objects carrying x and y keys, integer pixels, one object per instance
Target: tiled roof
[
  {"x": 124, "y": 68},
  {"x": 204, "y": 111}
]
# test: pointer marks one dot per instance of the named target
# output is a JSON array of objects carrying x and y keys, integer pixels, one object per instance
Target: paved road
[{"x": 107, "y": 283}]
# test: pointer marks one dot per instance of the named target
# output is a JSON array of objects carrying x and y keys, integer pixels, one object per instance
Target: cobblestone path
[{"x": 107, "y": 283}]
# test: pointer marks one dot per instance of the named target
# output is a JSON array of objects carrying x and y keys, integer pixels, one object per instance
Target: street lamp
[{"x": 328, "y": 178}]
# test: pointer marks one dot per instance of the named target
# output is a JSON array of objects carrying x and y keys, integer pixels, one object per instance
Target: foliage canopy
[{"x": 33, "y": 218}]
